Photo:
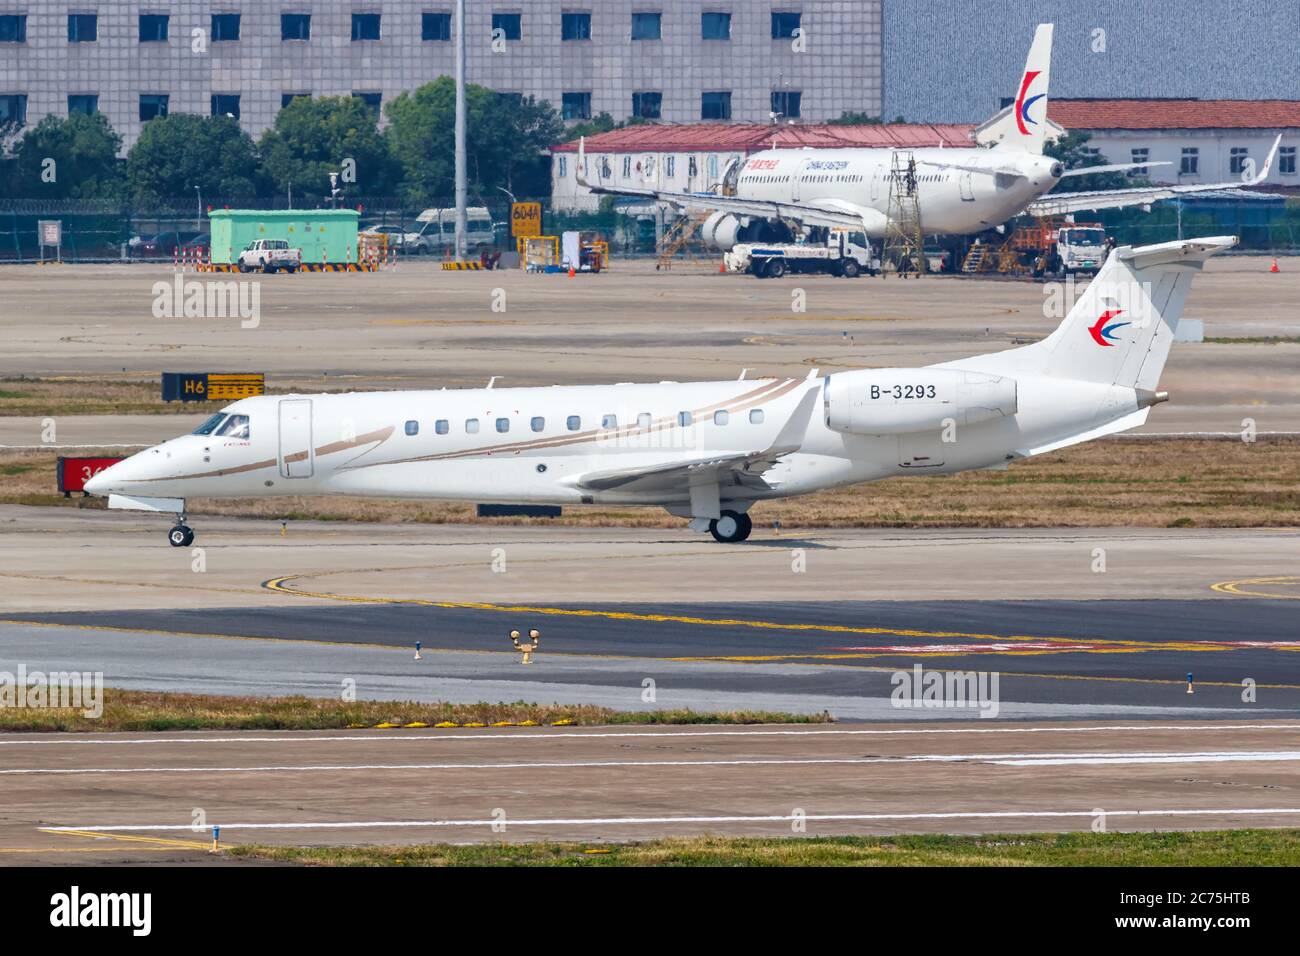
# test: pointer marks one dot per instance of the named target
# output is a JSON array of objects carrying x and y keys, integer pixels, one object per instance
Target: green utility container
[{"x": 323, "y": 235}]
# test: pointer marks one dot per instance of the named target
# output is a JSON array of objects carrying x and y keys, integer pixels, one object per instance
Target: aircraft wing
[
  {"x": 1058, "y": 204},
  {"x": 741, "y": 468},
  {"x": 827, "y": 213}
]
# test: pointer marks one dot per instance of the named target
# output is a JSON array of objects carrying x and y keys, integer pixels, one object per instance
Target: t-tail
[{"x": 1029, "y": 109}]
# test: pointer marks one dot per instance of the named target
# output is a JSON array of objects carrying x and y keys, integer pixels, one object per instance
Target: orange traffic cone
[
  {"x": 1274, "y": 268},
  {"x": 722, "y": 268},
  {"x": 571, "y": 272}
]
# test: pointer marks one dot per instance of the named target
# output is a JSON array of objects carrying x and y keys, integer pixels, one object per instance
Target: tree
[
  {"x": 73, "y": 157},
  {"x": 314, "y": 137},
  {"x": 179, "y": 151},
  {"x": 506, "y": 138},
  {"x": 859, "y": 118},
  {"x": 1071, "y": 150}
]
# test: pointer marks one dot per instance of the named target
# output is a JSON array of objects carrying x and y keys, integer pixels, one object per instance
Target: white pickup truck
[
  {"x": 269, "y": 255},
  {"x": 843, "y": 253}
]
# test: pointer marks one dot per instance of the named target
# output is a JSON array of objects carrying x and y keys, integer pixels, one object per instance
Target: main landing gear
[{"x": 731, "y": 527}]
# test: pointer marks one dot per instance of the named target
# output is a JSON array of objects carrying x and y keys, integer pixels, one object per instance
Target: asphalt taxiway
[{"x": 154, "y": 798}]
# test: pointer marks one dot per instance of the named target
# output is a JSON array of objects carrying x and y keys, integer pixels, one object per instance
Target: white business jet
[
  {"x": 706, "y": 451},
  {"x": 777, "y": 193}
]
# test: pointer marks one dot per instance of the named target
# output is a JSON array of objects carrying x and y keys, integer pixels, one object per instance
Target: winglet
[
  {"x": 580, "y": 171},
  {"x": 793, "y": 431},
  {"x": 1268, "y": 163}
]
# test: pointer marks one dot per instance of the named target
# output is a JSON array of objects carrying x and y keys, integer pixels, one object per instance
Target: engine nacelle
[
  {"x": 891, "y": 401},
  {"x": 721, "y": 231}
]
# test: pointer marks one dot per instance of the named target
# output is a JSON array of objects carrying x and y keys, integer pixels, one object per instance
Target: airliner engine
[
  {"x": 890, "y": 401},
  {"x": 723, "y": 230}
]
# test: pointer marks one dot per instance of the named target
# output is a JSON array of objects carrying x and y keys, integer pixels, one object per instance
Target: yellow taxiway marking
[
  {"x": 1240, "y": 587},
  {"x": 157, "y": 843}
]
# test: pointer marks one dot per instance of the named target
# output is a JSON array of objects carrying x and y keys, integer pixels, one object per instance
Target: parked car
[
  {"x": 396, "y": 238},
  {"x": 437, "y": 230},
  {"x": 155, "y": 246},
  {"x": 269, "y": 255},
  {"x": 200, "y": 243}
]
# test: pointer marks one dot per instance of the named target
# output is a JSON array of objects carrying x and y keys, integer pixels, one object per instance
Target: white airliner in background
[
  {"x": 706, "y": 451},
  {"x": 960, "y": 191}
]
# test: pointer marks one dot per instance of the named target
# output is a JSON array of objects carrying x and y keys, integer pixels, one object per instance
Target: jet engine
[
  {"x": 723, "y": 230},
  {"x": 891, "y": 401}
]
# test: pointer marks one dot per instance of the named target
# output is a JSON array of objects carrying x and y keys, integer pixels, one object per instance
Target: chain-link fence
[{"x": 100, "y": 231}]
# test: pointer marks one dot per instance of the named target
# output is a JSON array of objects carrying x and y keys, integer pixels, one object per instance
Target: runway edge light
[
  {"x": 1189, "y": 683},
  {"x": 417, "y": 651}
]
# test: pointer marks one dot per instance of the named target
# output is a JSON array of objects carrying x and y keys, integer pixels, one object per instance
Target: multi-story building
[{"x": 668, "y": 60}]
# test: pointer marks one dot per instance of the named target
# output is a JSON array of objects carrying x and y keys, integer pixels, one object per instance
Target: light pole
[
  {"x": 198, "y": 210},
  {"x": 461, "y": 184}
]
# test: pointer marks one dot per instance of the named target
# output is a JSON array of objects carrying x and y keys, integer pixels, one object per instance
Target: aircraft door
[
  {"x": 297, "y": 457},
  {"x": 967, "y": 191}
]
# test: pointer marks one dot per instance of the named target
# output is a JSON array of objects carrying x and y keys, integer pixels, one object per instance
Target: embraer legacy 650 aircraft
[
  {"x": 959, "y": 191},
  {"x": 706, "y": 451}
]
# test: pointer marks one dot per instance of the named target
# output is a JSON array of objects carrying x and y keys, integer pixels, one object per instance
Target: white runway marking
[
  {"x": 1048, "y": 759},
  {"x": 506, "y": 734},
  {"x": 638, "y": 821}
]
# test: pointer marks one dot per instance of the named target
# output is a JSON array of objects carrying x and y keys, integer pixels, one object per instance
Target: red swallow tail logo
[
  {"x": 1102, "y": 333},
  {"x": 1022, "y": 105}
]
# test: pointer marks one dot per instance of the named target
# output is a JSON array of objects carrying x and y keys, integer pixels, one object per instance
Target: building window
[
  {"x": 715, "y": 105},
  {"x": 295, "y": 26},
  {"x": 13, "y": 28},
  {"x": 562, "y": 167},
  {"x": 503, "y": 425},
  {"x": 83, "y": 28},
  {"x": 787, "y": 103},
  {"x": 365, "y": 26},
  {"x": 1237, "y": 157},
  {"x": 756, "y": 416},
  {"x": 715, "y": 26},
  {"x": 412, "y": 428},
  {"x": 153, "y": 27},
  {"x": 287, "y": 98},
  {"x": 13, "y": 110},
  {"x": 86, "y": 104},
  {"x": 670, "y": 166},
  {"x": 573, "y": 423},
  {"x": 442, "y": 426},
  {"x": 627, "y": 166},
  {"x": 225, "y": 27},
  {"x": 435, "y": 27},
  {"x": 784, "y": 23},
  {"x": 373, "y": 100},
  {"x": 647, "y": 26},
  {"x": 575, "y": 26},
  {"x": 647, "y": 104},
  {"x": 1286, "y": 160},
  {"x": 225, "y": 104},
  {"x": 1191, "y": 162},
  {"x": 1139, "y": 156},
  {"x": 471, "y": 426},
  {"x": 576, "y": 106},
  {"x": 537, "y": 423},
  {"x": 151, "y": 105},
  {"x": 508, "y": 24}
]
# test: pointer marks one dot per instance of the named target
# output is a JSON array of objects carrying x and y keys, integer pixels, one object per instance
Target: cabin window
[
  {"x": 721, "y": 416},
  {"x": 442, "y": 426},
  {"x": 685, "y": 418},
  {"x": 756, "y": 416},
  {"x": 208, "y": 427},
  {"x": 573, "y": 422},
  {"x": 643, "y": 420},
  {"x": 503, "y": 424},
  {"x": 471, "y": 426},
  {"x": 412, "y": 428},
  {"x": 609, "y": 421},
  {"x": 538, "y": 423},
  {"x": 236, "y": 426}
]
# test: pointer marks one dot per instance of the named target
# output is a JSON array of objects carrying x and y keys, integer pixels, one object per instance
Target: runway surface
[{"x": 137, "y": 797}]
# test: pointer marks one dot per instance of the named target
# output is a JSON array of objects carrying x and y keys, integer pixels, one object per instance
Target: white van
[{"x": 437, "y": 230}]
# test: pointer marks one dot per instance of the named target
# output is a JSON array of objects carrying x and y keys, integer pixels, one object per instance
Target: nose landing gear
[{"x": 181, "y": 535}]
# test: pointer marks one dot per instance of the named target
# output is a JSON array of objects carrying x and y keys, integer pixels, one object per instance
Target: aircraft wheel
[
  {"x": 731, "y": 527},
  {"x": 181, "y": 536}
]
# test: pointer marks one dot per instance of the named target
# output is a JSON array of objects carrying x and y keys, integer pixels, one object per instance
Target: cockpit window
[
  {"x": 208, "y": 427},
  {"x": 236, "y": 426}
]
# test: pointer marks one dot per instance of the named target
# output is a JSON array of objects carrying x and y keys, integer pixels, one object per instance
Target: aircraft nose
[{"x": 101, "y": 482}]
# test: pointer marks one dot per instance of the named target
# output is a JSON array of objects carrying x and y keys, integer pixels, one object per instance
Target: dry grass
[
  {"x": 1208, "y": 848},
  {"x": 89, "y": 396},
  {"x": 131, "y": 710},
  {"x": 1128, "y": 482}
]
